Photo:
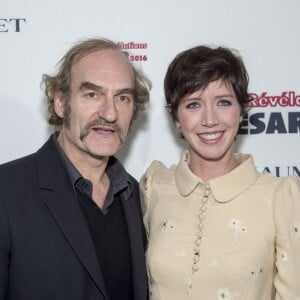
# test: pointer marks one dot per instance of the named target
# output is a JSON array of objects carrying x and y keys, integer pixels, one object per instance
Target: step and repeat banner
[{"x": 35, "y": 34}]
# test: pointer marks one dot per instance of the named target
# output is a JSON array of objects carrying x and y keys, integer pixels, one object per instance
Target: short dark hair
[
  {"x": 60, "y": 82},
  {"x": 194, "y": 68}
]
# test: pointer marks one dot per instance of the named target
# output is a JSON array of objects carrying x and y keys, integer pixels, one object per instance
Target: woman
[{"x": 217, "y": 228}]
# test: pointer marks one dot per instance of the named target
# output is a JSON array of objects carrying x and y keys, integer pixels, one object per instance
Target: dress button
[{"x": 195, "y": 268}]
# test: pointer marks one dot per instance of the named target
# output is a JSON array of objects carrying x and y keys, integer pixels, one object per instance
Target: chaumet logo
[
  {"x": 11, "y": 24},
  {"x": 273, "y": 122},
  {"x": 280, "y": 171},
  {"x": 135, "y": 51}
]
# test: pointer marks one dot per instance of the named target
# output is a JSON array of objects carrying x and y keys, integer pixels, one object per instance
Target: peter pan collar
[{"x": 224, "y": 188}]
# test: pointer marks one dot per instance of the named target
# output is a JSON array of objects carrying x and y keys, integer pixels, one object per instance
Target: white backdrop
[{"x": 34, "y": 34}]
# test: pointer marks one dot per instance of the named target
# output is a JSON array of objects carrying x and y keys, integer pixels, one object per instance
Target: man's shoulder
[
  {"x": 22, "y": 166},
  {"x": 16, "y": 174},
  {"x": 17, "y": 164}
]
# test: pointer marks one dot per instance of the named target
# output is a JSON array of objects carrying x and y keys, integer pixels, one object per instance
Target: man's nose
[{"x": 108, "y": 110}]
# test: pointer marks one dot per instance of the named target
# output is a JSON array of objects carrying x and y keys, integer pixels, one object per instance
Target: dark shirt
[
  {"x": 108, "y": 225},
  {"x": 120, "y": 182}
]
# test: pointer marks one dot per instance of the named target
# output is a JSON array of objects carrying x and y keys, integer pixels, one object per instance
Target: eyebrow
[
  {"x": 230, "y": 95},
  {"x": 87, "y": 85},
  {"x": 217, "y": 96},
  {"x": 125, "y": 91}
]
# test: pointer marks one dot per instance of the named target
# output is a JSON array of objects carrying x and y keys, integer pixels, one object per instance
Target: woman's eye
[
  {"x": 224, "y": 102},
  {"x": 193, "y": 105}
]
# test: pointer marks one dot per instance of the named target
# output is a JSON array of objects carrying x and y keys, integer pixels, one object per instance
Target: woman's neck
[{"x": 210, "y": 169}]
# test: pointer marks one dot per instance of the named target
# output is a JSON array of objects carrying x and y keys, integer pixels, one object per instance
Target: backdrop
[{"x": 34, "y": 34}]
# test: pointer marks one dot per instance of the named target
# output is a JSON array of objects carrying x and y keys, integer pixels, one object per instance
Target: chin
[{"x": 100, "y": 153}]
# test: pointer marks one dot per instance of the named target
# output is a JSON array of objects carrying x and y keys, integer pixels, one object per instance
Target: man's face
[{"x": 99, "y": 110}]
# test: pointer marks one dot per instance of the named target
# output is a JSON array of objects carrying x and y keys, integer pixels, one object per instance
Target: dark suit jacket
[{"x": 46, "y": 251}]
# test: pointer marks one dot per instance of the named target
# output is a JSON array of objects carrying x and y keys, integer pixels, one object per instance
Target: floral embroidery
[
  {"x": 166, "y": 225},
  {"x": 282, "y": 256},
  {"x": 243, "y": 229},
  {"x": 295, "y": 230},
  {"x": 237, "y": 225},
  {"x": 188, "y": 286},
  {"x": 234, "y": 223},
  {"x": 223, "y": 294},
  {"x": 257, "y": 272}
]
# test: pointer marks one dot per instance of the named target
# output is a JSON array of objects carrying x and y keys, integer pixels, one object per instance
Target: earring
[
  {"x": 168, "y": 108},
  {"x": 177, "y": 124}
]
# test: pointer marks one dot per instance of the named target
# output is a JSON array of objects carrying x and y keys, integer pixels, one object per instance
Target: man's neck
[{"x": 91, "y": 168}]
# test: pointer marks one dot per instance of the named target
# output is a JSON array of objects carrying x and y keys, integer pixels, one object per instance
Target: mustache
[{"x": 101, "y": 122}]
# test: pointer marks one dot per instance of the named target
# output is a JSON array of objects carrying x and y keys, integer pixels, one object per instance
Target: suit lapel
[
  {"x": 64, "y": 206},
  {"x": 136, "y": 236}
]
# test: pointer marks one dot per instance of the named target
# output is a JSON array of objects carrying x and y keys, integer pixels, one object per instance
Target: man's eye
[
  {"x": 124, "y": 98},
  {"x": 91, "y": 95}
]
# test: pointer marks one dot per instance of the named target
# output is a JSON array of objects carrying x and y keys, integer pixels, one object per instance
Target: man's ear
[{"x": 59, "y": 105}]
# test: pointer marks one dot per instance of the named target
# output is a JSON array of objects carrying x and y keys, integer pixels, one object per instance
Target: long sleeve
[
  {"x": 145, "y": 188},
  {"x": 4, "y": 251},
  {"x": 287, "y": 225}
]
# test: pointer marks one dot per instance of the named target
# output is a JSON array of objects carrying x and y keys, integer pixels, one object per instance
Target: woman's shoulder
[
  {"x": 247, "y": 164},
  {"x": 284, "y": 190},
  {"x": 289, "y": 184},
  {"x": 281, "y": 182},
  {"x": 158, "y": 172}
]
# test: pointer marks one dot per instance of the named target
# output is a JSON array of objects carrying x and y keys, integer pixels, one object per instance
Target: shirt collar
[
  {"x": 117, "y": 174},
  {"x": 70, "y": 168},
  {"x": 224, "y": 188}
]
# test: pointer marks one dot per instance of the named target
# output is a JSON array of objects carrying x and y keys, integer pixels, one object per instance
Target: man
[{"x": 70, "y": 220}]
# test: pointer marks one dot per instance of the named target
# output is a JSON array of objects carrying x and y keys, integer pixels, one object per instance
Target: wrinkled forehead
[{"x": 102, "y": 65}]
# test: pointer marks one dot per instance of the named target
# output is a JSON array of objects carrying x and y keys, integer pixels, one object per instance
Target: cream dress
[{"x": 233, "y": 237}]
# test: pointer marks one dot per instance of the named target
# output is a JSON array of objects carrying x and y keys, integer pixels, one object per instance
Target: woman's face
[{"x": 209, "y": 120}]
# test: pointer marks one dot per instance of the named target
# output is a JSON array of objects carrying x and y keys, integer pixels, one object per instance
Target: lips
[
  {"x": 211, "y": 137},
  {"x": 103, "y": 129}
]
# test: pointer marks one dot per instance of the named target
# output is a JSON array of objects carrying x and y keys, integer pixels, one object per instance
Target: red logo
[
  {"x": 135, "y": 51},
  {"x": 285, "y": 99}
]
